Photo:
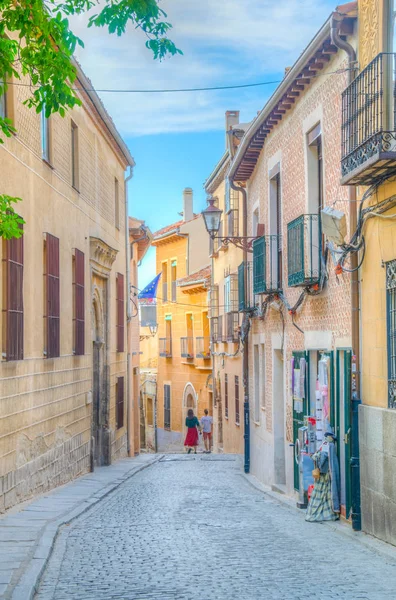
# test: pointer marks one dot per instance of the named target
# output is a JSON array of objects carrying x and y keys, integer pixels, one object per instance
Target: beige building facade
[{"x": 63, "y": 376}]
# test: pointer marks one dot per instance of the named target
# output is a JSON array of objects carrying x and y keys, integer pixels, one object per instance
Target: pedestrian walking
[
  {"x": 193, "y": 427},
  {"x": 206, "y": 424}
]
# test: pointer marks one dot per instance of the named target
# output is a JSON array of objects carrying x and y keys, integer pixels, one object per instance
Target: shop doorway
[
  {"x": 343, "y": 408},
  {"x": 279, "y": 419}
]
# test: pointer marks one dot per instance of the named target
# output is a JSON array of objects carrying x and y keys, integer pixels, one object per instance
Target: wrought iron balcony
[
  {"x": 368, "y": 123},
  {"x": 165, "y": 347},
  {"x": 267, "y": 264},
  {"x": 187, "y": 347},
  {"x": 303, "y": 250},
  {"x": 248, "y": 303},
  {"x": 203, "y": 347},
  {"x": 232, "y": 327}
]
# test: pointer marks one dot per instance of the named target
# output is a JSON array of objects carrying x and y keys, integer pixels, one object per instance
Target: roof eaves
[{"x": 313, "y": 47}]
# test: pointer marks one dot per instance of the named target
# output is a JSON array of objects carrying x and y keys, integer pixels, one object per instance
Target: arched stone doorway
[{"x": 190, "y": 400}]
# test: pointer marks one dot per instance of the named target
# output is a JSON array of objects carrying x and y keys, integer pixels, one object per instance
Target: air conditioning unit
[{"x": 334, "y": 225}]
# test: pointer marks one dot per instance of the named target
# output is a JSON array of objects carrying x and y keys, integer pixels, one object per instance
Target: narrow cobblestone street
[{"x": 192, "y": 528}]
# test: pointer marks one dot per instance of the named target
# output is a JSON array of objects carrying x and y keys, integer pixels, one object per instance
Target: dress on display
[{"x": 324, "y": 504}]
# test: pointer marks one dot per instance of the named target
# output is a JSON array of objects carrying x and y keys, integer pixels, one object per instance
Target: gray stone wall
[
  {"x": 54, "y": 467},
  {"x": 377, "y": 433}
]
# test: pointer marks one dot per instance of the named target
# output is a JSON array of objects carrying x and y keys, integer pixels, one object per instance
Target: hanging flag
[{"x": 149, "y": 294}]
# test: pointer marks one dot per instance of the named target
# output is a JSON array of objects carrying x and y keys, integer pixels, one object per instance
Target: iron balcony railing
[
  {"x": 245, "y": 271},
  {"x": 232, "y": 327},
  {"x": 165, "y": 347},
  {"x": 203, "y": 347},
  {"x": 368, "y": 122},
  {"x": 304, "y": 250},
  {"x": 187, "y": 347},
  {"x": 267, "y": 264}
]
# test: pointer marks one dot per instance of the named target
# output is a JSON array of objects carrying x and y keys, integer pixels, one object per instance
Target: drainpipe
[
  {"x": 245, "y": 367},
  {"x": 336, "y": 19},
  {"x": 129, "y": 312}
]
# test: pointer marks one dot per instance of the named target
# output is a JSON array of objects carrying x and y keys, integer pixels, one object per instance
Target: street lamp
[
  {"x": 153, "y": 328},
  {"x": 212, "y": 217}
]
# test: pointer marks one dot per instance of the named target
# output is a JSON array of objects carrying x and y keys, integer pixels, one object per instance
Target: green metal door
[
  {"x": 344, "y": 407},
  {"x": 298, "y": 414}
]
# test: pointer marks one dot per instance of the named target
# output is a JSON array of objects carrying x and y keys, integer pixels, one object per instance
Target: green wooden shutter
[
  {"x": 241, "y": 287},
  {"x": 259, "y": 285}
]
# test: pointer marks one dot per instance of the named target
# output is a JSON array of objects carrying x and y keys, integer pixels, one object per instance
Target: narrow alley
[{"x": 193, "y": 528}]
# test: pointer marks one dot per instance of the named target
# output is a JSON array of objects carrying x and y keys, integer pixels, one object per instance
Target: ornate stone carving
[
  {"x": 102, "y": 256},
  {"x": 370, "y": 30}
]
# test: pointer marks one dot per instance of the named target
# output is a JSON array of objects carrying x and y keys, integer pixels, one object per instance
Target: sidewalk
[
  {"x": 342, "y": 527},
  {"x": 28, "y": 531}
]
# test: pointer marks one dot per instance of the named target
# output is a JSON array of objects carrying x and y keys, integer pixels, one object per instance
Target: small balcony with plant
[
  {"x": 368, "y": 123},
  {"x": 304, "y": 241},
  {"x": 187, "y": 347},
  {"x": 267, "y": 264},
  {"x": 165, "y": 347},
  {"x": 203, "y": 347}
]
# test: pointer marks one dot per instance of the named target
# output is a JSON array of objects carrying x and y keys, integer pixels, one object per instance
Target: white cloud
[{"x": 224, "y": 42}]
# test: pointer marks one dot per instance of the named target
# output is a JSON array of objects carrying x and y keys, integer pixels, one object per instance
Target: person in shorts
[{"x": 206, "y": 424}]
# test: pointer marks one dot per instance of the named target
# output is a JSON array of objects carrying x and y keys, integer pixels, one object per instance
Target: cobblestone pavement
[{"x": 192, "y": 528}]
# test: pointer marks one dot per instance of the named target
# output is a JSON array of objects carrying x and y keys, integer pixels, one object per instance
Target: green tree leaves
[{"x": 37, "y": 44}]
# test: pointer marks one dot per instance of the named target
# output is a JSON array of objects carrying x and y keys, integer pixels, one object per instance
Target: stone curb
[
  {"x": 375, "y": 545},
  {"x": 27, "y": 586}
]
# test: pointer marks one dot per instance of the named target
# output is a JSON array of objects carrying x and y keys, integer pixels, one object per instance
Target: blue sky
[{"x": 177, "y": 139}]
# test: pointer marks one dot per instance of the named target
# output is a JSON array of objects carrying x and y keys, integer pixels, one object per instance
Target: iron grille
[
  {"x": 232, "y": 320},
  {"x": 368, "y": 126},
  {"x": 303, "y": 250},
  {"x": 391, "y": 330},
  {"x": 203, "y": 347},
  {"x": 120, "y": 402},
  {"x": 165, "y": 347},
  {"x": 13, "y": 294},
  {"x": 187, "y": 347},
  {"x": 226, "y": 395},
  {"x": 248, "y": 303}
]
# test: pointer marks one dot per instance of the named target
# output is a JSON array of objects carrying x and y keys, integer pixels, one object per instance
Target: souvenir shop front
[{"x": 321, "y": 384}]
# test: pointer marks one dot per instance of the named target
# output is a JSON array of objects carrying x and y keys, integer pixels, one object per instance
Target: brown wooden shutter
[
  {"x": 120, "y": 402},
  {"x": 120, "y": 312},
  {"x": 79, "y": 303},
  {"x": 53, "y": 296},
  {"x": 14, "y": 298}
]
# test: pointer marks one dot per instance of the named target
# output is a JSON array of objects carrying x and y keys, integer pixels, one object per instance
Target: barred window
[
  {"x": 226, "y": 395},
  {"x": 237, "y": 417}
]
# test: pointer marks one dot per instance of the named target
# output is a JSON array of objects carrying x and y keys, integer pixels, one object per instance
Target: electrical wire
[{"x": 179, "y": 90}]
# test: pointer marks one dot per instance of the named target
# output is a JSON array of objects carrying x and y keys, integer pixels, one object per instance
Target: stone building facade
[
  {"x": 288, "y": 162},
  {"x": 63, "y": 371}
]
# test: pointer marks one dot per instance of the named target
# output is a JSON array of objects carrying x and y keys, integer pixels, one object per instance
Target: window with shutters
[
  {"x": 274, "y": 240},
  {"x": 75, "y": 162},
  {"x": 167, "y": 407},
  {"x": 117, "y": 203},
  {"x": 78, "y": 303},
  {"x": 120, "y": 312},
  {"x": 237, "y": 416},
  {"x": 232, "y": 210},
  {"x": 259, "y": 285},
  {"x": 226, "y": 396},
  {"x": 231, "y": 293},
  {"x": 173, "y": 280},
  {"x": 13, "y": 299},
  {"x": 51, "y": 297},
  {"x": 120, "y": 400},
  {"x": 214, "y": 301}
]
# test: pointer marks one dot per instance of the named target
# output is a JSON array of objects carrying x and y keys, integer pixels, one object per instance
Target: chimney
[
  {"x": 231, "y": 119},
  {"x": 187, "y": 204}
]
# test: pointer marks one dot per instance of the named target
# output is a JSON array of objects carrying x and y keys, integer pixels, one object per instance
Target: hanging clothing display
[{"x": 324, "y": 504}]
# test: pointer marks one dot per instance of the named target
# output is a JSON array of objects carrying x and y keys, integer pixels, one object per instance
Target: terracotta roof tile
[
  {"x": 170, "y": 228},
  {"x": 198, "y": 277}
]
